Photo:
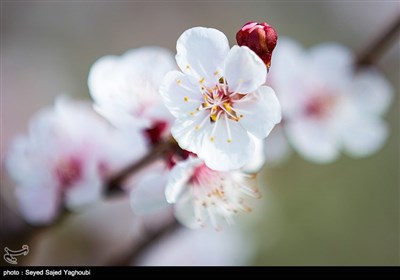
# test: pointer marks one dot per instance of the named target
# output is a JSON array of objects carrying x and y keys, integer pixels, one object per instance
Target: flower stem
[
  {"x": 378, "y": 45},
  {"x": 160, "y": 149}
]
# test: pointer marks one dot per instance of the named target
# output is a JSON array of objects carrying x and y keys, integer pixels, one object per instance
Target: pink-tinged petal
[
  {"x": 147, "y": 196},
  {"x": 178, "y": 179},
  {"x": 244, "y": 70},
  {"x": 370, "y": 92},
  {"x": 261, "y": 111},
  {"x": 86, "y": 191},
  {"x": 364, "y": 136},
  {"x": 226, "y": 147},
  {"x": 39, "y": 206},
  {"x": 313, "y": 140},
  {"x": 181, "y": 96},
  {"x": 201, "y": 53}
]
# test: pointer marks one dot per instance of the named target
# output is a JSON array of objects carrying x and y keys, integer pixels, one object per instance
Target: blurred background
[{"x": 344, "y": 213}]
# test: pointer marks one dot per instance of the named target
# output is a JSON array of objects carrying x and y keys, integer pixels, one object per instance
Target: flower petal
[
  {"x": 257, "y": 159},
  {"x": 128, "y": 84},
  {"x": 244, "y": 71},
  {"x": 178, "y": 179},
  {"x": 228, "y": 147},
  {"x": 261, "y": 112},
  {"x": 38, "y": 205},
  {"x": 371, "y": 92},
  {"x": 185, "y": 132},
  {"x": 364, "y": 136},
  {"x": 180, "y": 95},
  {"x": 185, "y": 211},
  {"x": 314, "y": 140},
  {"x": 201, "y": 52}
]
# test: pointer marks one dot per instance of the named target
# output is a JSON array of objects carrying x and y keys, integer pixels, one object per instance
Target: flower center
[
  {"x": 69, "y": 171},
  {"x": 219, "y": 100},
  {"x": 320, "y": 106}
]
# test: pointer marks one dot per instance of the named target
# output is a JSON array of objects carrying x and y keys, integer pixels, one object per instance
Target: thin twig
[
  {"x": 379, "y": 45},
  {"x": 115, "y": 182}
]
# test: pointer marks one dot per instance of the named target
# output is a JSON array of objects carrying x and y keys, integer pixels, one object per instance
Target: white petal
[
  {"x": 316, "y": 141},
  {"x": 333, "y": 61},
  {"x": 103, "y": 76},
  {"x": 184, "y": 211},
  {"x": 244, "y": 71},
  {"x": 185, "y": 132},
  {"x": 148, "y": 195},
  {"x": 201, "y": 52},
  {"x": 221, "y": 151},
  {"x": 257, "y": 159},
  {"x": 371, "y": 92},
  {"x": 38, "y": 205},
  {"x": 261, "y": 112},
  {"x": 178, "y": 179},
  {"x": 180, "y": 95},
  {"x": 364, "y": 136}
]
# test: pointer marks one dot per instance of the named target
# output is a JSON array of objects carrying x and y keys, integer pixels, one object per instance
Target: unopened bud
[{"x": 260, "y": 38}]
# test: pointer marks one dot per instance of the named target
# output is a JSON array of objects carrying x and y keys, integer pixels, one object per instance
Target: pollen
[
  {"x": 241, "y": 116},
  {"x": 212, "y": 139},
  {"x": 197, "y": 127},
  {"x": 179, "y": 81},
  {"x": 216, "y": 73},
  {"x": 186, "y": 99},
  {"x": 201, "y": 80},
  {"x": 191, "y": 113},
  {"x": 187, "y": 66},
  {"x": 229, "y": 140}
]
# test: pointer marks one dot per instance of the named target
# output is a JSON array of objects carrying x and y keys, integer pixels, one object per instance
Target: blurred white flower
[
  {"x": 219, "y": 100},
  {"x": 206, "y": 247},
  {"x": 326, "y": 105},
  {"x": 67, "y": 153},
  {"x": 202, "y": 195},
  {"x": 125, "y": 89}
]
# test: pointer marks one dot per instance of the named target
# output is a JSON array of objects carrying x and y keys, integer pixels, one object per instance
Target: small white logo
[{"x": 9, "y": 256}]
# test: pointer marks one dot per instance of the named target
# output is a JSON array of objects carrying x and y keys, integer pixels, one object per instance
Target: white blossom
[
  {"x": 63, "y": 160},
  {"x": 327, "y": 106},
  {"x": 218, "y": 99},
  {"x": 201, "y": 195},
  {"x": 125, "y": 88}
]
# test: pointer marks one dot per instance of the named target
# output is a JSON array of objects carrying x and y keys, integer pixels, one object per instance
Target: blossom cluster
[{"x": 218, "y": 111}]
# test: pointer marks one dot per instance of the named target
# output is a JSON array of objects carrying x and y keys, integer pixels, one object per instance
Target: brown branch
[
  {"x": 378, "y": 45},
  {"x": 114, "y": 183}
]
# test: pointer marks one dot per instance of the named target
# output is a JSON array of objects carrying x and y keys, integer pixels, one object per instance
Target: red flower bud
[{"x": 260, "y": 38}]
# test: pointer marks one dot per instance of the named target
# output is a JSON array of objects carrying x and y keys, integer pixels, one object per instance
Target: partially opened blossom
[
  {"x": 65, "y": 157},
  {"x": 125, "y": 89},
  {"x": 201, "y": 195},
  {"x": 327, "y": 106},
  {"x": 219, "y": 100}
]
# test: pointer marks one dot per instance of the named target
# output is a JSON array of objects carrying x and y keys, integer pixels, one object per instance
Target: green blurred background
[{"x": 344, "y": 213}]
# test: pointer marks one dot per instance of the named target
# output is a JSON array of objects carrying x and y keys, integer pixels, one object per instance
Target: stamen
[{"x": 228, "y": 129}]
